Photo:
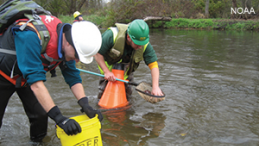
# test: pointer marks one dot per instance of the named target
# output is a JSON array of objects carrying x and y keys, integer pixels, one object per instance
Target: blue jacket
[{"x": 28, "y": 50}]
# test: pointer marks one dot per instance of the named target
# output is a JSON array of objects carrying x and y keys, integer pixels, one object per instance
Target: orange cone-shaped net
[{"x": 114, "y": 95}]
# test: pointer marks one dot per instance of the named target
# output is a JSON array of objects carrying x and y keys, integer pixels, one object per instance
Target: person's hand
[
  {"x": 70, "y": 126},
  {"x": 109, "y": 76},
  {"x": 157, "y": 91},
  {"x": 90, "y": 112}
]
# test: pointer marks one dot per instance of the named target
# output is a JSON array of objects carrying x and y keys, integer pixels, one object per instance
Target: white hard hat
[{"x": 87, "y": 40}]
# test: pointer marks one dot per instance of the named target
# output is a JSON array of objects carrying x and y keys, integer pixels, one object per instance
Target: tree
[
  {"x": 66, "y": 7},
  {"x": 234, "y": 5},
  {"x": 246, "y": 4},
  {"x": 74, "y": 5},
  {"x": 207, "y": 8}
]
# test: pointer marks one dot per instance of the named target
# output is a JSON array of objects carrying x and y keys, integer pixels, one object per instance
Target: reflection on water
[
  {"x": 119, "y": 130},
  {"x": 210, "y": 79}
]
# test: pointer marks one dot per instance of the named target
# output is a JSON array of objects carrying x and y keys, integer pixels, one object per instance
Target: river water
[{"x": 210, "y": 79}]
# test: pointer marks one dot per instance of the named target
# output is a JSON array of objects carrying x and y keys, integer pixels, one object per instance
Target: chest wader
[
  {"x": 36, "y": 114},
  {"x": 114, "y": 56}
]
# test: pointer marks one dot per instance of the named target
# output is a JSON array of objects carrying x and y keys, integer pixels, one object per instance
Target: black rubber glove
[
  {"x": 70, "y": 126},
  {"x": 90, "y": 112}
]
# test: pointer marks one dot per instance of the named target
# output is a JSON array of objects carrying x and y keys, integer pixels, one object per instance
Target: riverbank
[
  {"x": 182, "y": 23},
  {"x": 207, "y": 24}
]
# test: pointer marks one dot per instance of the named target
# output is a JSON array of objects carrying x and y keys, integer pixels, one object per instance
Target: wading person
[
  {"x": 128, "y": 45},
  {"x": 78, "y": 16},
  {"x": 23, "y": 67}
]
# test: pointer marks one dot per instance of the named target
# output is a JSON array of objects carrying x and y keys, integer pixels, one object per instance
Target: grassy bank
[
  {"x": 208, "y": 24},
  {"x": 182, "y": 23}
]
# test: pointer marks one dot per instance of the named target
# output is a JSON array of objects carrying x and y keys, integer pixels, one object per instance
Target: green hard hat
[{"x": 138, "y": 31}]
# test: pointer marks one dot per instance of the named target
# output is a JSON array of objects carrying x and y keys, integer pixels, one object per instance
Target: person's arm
[
  {"x": 28, "y": 50},
  {"x": 78, "y": 91},
  {"x": 107, "y": 73},
  {"x": 73, "y": 79},
  {"x": 155, "y": 82},
  {"x": 107, "y": 44},
  {"x": 42, "y": 94},
  {"x": 151, "y": 60},
  {"x": 70, "y": 126},
  {"x": 29, "y": 62}
]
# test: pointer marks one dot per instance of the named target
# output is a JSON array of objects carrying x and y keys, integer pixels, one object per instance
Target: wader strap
[
  {"x": 18, "y": 82},
  {"x": 11, "y": 52}
]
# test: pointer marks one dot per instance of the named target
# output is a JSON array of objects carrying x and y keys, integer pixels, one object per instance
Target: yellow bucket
[{"x": 90, "y": 135}]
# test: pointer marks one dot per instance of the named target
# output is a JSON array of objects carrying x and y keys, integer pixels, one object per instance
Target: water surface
[{"x": 210, "y": 79}]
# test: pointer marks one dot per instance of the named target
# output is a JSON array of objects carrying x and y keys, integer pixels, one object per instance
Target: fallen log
[{"x": 157, "y": 18}]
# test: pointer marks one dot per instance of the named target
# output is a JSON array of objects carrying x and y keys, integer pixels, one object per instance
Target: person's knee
[
  {"x": 100, "y": 93},
  {"x": 38, "y": 127},
  {"x": 102, "y": 86},
  {"x": 129, "y": 90}
]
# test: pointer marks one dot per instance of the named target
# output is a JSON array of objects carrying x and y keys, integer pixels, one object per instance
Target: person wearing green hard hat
[
  {"x": 127, "y": 44},
  {"x": 138, "y": 31}
]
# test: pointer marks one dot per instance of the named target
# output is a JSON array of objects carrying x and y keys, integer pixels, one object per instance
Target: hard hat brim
[
  {"x": 85, "y": 60},
  {"x": 140, "y": 43}
]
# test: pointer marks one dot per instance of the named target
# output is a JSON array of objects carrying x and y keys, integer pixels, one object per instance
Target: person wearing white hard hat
[{"x": 24, "y": 71}]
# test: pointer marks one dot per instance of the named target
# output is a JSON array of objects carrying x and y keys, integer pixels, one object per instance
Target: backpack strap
[{"x": 39, "y": 27}]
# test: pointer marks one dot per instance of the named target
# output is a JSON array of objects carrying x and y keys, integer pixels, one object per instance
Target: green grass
[
  {"x": 98, "y": 20},
  {"x": 189, "y": 23},
  {"x": 181, "y": 23},
  {"x": 222, "y": 24}
]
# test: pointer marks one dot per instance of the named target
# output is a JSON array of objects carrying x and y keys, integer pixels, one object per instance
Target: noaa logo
[{"x": 240, "y": 10}]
